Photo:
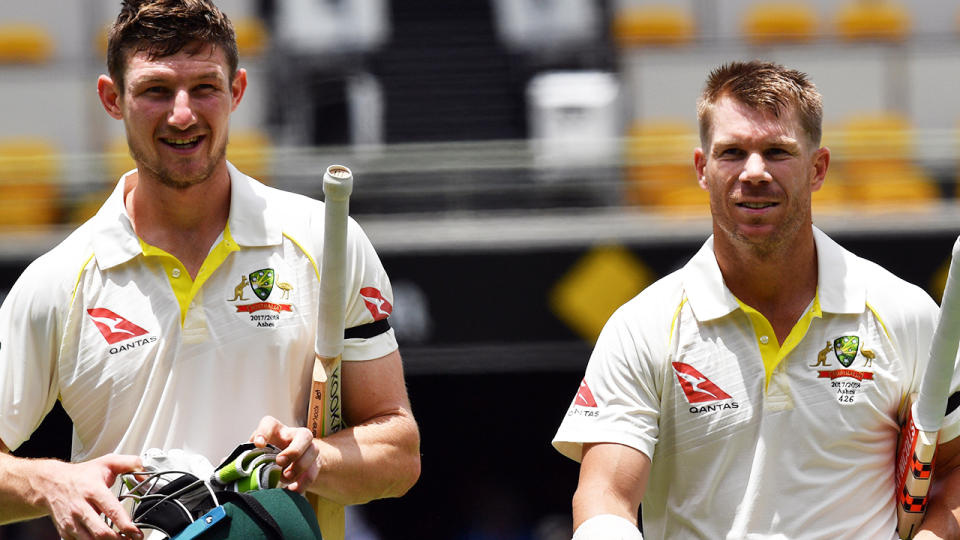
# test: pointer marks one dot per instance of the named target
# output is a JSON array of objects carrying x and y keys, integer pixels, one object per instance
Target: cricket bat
[
  {"x": 324, "y": 415},
  {"x": 920, "y": 431}
]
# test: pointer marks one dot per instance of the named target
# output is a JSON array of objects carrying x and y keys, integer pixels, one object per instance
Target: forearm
[
  {"x": 613, "y": 479},
  {"x": 593, "y": 500},
  {"x": 942, "y": 519},
  {"x": 377, "y": 459},
  {"x": 19, "y": 498}
]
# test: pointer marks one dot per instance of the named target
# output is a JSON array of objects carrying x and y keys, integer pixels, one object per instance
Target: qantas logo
[
  {"x": 379, "y": 307},
  {"x": 696, "y": 386},
  {"x": 114, "y": 327},
  {"x": 584, "y": 404},
  {"x": 585, "y": 396}
]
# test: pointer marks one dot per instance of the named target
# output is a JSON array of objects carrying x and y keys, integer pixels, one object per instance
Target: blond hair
[{"x": 763, "y": 86}]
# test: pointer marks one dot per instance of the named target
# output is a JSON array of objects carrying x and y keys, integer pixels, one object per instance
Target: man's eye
[{"x": 730, "y": 153}]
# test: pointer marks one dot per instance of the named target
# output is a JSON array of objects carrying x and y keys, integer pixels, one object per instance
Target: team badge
[
  {"x": 261, "y": 282},
  {"x": 847, "y": 383},
  {"x": 845, "y": 348}
]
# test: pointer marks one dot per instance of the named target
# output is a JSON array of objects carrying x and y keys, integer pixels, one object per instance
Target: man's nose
[
  {"x": 755, "y": 169},
  {"x": 182, "y": 115}
]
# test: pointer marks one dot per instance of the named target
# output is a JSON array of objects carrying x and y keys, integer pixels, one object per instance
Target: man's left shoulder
[
  {"x": 285, "y": 200},
  {"x": 887, "y": 292}
]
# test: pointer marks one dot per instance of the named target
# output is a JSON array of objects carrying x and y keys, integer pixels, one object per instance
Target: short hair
[
  {"x": 763, "y": 86},
  {"x": 165, "y": 27}
]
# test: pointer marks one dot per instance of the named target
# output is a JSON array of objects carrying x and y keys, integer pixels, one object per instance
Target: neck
[
  {"x": 184, "y": 222},
  {"x": 779, "y": 283}
]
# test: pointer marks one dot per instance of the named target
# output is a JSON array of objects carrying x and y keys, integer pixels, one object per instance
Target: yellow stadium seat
[
  {"x": 660, "y": 174},
  {"x": 117, "y": 159},
  {"x": 876, "y": 155},
  {"x": 100, "y": 39},
  {"x": 654, "y": 24},
  {"x": 779, "y": 21},
  {"x": 251, "y": 36},
  {"x": 24, "y": 44},
  {"x": 832, "y": 195},
  {"x": 251, "y": 151},
  {"x": 116, "y": 162},
  {"x": 873, "y": 20},
  {"x": 29, "y": 174}
]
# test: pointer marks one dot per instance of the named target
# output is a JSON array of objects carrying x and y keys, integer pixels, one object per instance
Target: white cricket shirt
[
  {"x": 748, "y": 438},
  {"x": 142, "y": 356}
]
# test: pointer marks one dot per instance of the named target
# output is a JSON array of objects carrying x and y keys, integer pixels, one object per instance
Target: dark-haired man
[{"x": 157, "y": 323}]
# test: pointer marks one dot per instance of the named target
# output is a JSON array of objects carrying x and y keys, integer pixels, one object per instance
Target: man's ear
[
  {"x": 700, "y": 164},
  {"x": 821, "y": 160},
  {"x": 238, "y": 87},
  {"x": 109, "y": 96}
]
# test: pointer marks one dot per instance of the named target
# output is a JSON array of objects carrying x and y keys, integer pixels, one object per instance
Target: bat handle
[{"x": 337, "y": 183}]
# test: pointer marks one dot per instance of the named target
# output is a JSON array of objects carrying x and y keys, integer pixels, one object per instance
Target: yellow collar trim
[
  {"x": 184, "y": 287},
  {"x": 771, "y": 352}
]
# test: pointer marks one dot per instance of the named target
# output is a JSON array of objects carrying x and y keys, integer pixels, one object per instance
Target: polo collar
[
  {"x": 840, "y": 285},
  {"x": 252, "y": 221}
]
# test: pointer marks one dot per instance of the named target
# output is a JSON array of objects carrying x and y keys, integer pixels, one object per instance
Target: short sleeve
[
  {"x": 369, "y": 301},
  {"x": 29, "y": 338},
  {"x": 618, "y": 400}
]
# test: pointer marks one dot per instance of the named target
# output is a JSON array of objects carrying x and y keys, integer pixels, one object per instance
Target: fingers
[
  {"x": 110, "y": 507},
  {"x": 311, "y": 468},
  {"x": 298, "y": 453},
  {"x": 117, "y": 464},
  {"x": 299, "y": 459},
  {"x": 268, "y": 430},
  {"x": 80, "y": 492}
]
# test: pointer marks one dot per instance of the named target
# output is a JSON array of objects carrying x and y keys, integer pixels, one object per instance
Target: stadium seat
[
  {"x": 116, "y": 162},
  {"x": 29, "y": 194},
  {"x": 873, "y": 20},
  {"x": 659, "y": 170},
  {"x": 779, "y": 22},
  {"x": 25, "y": 44},
  {"x": 251, "y": 151},
  {"x": 876, "y": 154},
  {"x": 251, "y": 36},
  {"x": 652, "y": 24},
  {"x": 833, "y": 193}
]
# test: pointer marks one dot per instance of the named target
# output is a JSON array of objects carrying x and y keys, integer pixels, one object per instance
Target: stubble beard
[
  {"x": 778, "y": 242},
  {"x": 166, "y": 175}
]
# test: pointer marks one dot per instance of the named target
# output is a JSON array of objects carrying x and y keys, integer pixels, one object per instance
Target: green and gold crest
[
  {"x": 261, "y": 282},
  {"x": 846, "y": 349}
]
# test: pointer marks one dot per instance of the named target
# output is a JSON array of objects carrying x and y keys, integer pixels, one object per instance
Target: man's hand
[
  {"x": 75, "y": 494},
  {"x": 298, "y": 455}
]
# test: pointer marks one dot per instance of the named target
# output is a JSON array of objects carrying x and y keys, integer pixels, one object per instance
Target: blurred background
[{"x": 523, "y": 167}]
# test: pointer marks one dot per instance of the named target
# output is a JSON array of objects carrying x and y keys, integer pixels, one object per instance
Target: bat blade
[
  {"x": 920, "y": 431},
  {"x": 915, "y": 455}
]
